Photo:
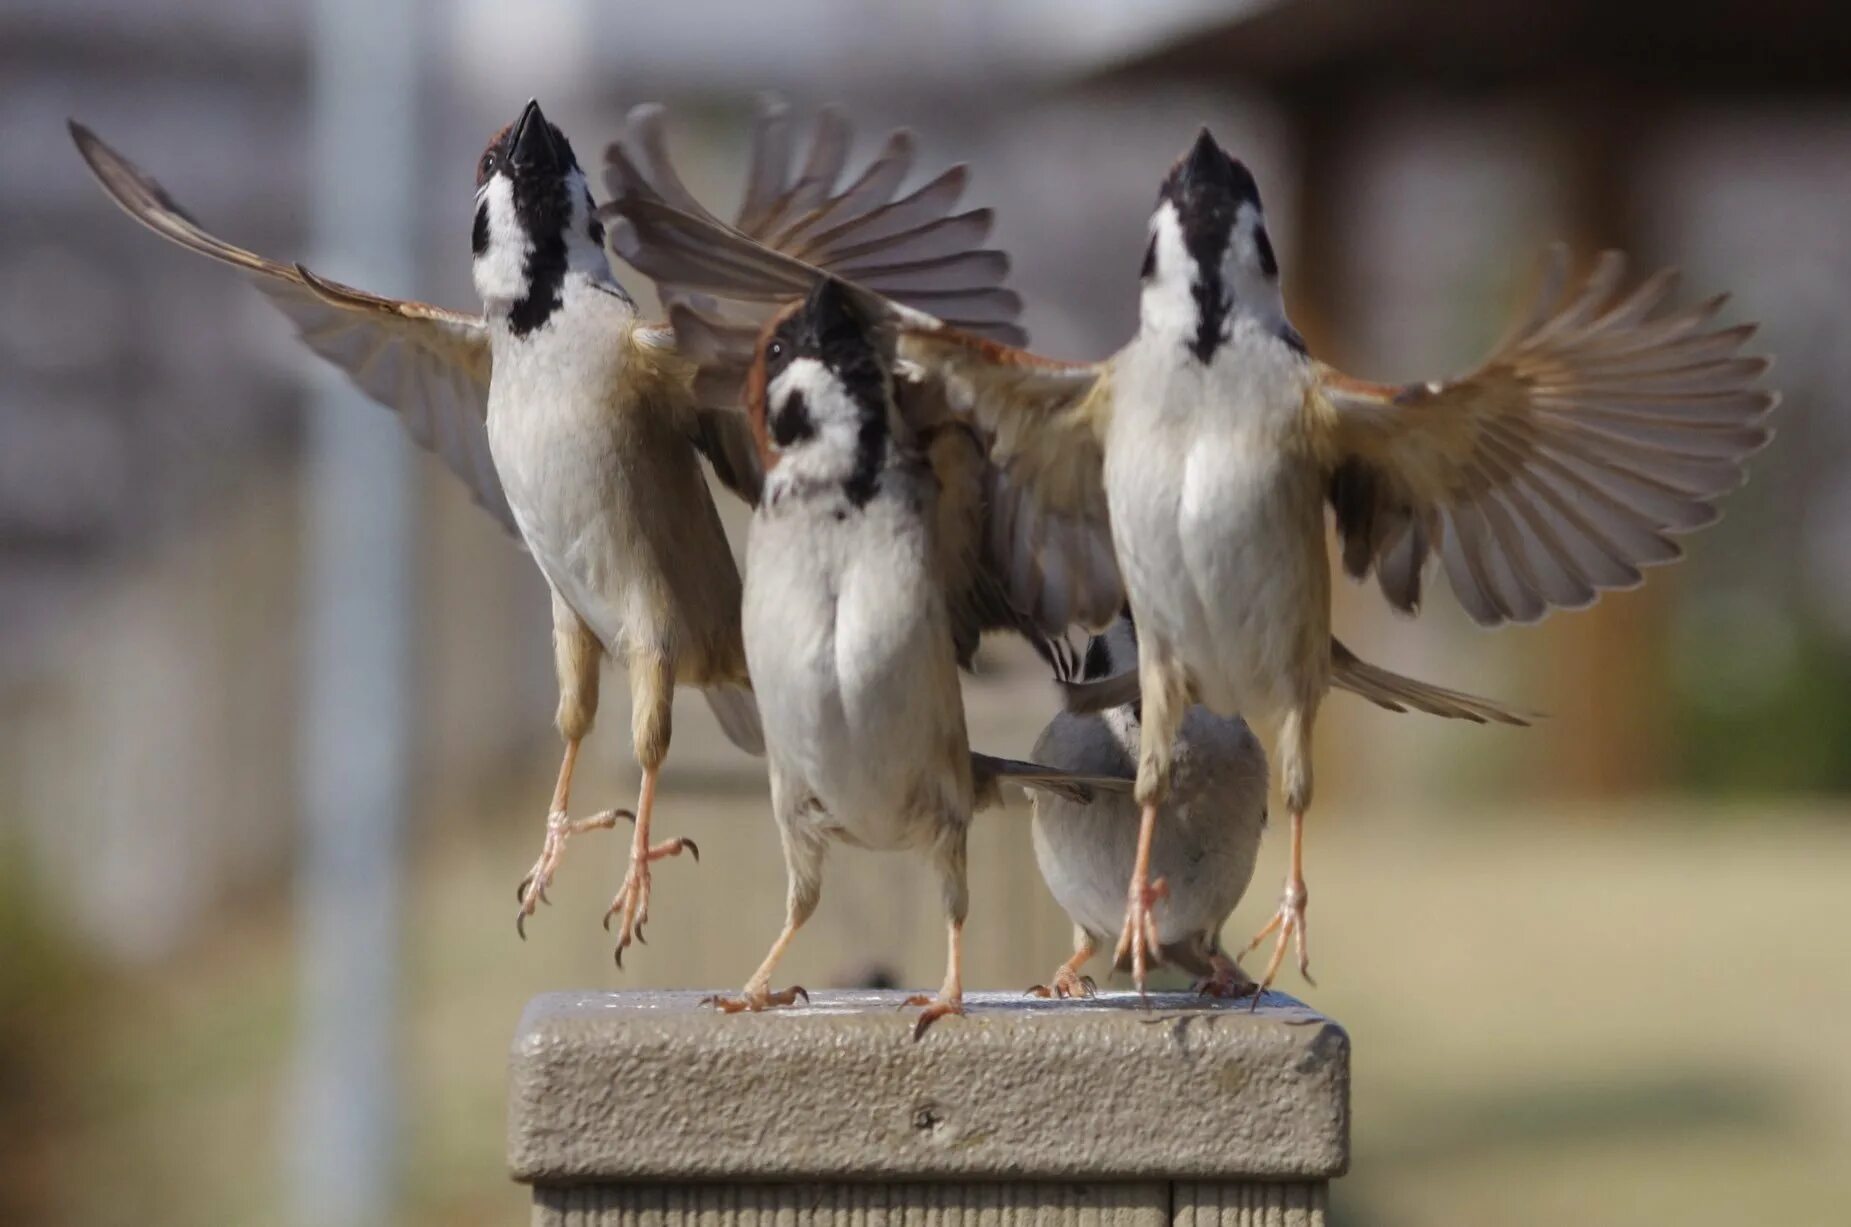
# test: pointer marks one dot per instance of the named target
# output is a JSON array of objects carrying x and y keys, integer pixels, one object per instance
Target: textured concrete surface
[{"x": 656, "y": 1087}]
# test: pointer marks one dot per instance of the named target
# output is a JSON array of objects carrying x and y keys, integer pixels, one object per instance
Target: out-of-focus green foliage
[{"x": 1763, "y": 704}]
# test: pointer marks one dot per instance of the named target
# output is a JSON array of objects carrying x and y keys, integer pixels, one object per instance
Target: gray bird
[{"x": 1207, "y": 834}]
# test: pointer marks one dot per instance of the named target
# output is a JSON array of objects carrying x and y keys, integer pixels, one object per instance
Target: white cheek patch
[
  {"x": 826, "y": 450},
  {"x": 1168, "y": 300},
  {"x": 501, "y": 267},
  {"x": 1243, "y": 270},
  {"x": 826, "y": 402},
  {"x": 584, "y": 253}
]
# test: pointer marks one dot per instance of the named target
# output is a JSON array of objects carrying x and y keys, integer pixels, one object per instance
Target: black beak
[
  {"x": 830, "y": 310},
  {"x": 1207, "y": 166},
  {"x": 531, "y": 147}
]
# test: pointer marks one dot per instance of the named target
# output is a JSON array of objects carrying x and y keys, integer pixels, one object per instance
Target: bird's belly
[
  {"x": 621, "y": 524},
  {"x": 1207, "y": 836},
  {"x": 851, "y": 661},
  {"x": 1224, "y": 569}
]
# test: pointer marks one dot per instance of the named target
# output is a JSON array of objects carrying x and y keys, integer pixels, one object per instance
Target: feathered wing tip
[
  {"x": 736, "y": 708},
  {"x": 1400, "y": 694},
  {"x": 988, "y": 771},
  {"x": 798, "y": 218},
  {"x": 1606, "y": 425}
]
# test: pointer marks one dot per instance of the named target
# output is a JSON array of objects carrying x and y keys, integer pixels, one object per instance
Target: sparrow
[
  {"x": 1187, "y": 476},
  {"x": 578, "y": 424},
  {"x": 850, "y": 636},
  {"x": 1207, "y": 837}
]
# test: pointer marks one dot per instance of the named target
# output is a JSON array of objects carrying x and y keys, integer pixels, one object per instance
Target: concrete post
[{"x": 650, "y": 1110}]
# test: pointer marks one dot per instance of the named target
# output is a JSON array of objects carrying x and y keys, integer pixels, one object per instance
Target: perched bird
[
  {"x": 1207, "y": 838},
  {"x": 579, "y": 426},
  {"x": 1194, "y": 464},
  {"x": 848, "y": 631}
]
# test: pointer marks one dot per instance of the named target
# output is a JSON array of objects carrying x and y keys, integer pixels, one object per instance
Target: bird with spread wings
[
  {"x": 1606, "y": 424},
  {"x": 437, "y": 369}
]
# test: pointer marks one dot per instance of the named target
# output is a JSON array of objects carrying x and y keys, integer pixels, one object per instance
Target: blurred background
[{"x": 276, "y": 698}]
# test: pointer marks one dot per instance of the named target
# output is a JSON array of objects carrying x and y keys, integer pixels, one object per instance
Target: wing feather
[
  {"x": 788, "y": 228},
  {"x": 720, "y": 282},
  {"x": 431, "y": 366},
  {"x": 1601, "y": 429}
]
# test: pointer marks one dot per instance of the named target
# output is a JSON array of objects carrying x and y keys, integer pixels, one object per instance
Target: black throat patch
[
  {"x": 1211, "y": 309},
  {"x": 1207, "y": 188},
  {"x": 544, "y": 208}
]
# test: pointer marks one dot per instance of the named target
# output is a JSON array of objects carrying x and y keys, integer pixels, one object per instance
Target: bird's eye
[
  {"x": 774, "y": 351},
  {"x": 488, "y": 165}
]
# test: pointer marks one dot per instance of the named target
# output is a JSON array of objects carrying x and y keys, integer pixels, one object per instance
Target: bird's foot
[
  {"x": 1226, "y": 980},
  {"x": 1287, "y": 927},
  {"x": 1067, "y": 982},
  {"x": 756, "y": 997},
  {"x": 532, "y": 890},
  {"x": 935, "y": 1009},
  {"x": 1137, "y": 943},
  {"x": 631, "y": 903}
]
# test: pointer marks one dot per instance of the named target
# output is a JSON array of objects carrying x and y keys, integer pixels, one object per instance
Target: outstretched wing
[
  {"x": 429, "y": 365},
  {"x": 913, "y": 248},
  {"x": 1044, "y": 423},
  {"x": 974, "y": 571},
  {"x": 1601, "y": 429},
  {"x": 799, "y": 217}
]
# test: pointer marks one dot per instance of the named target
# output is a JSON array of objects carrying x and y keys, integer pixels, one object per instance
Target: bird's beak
[
  {"x": 532, "y": 144},
  {"x": 829, "y": 308},
  {"x": 1206, "y": 167}
]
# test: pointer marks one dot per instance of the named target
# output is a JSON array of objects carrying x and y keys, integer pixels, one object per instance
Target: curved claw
[
  {"x": 693, "y": 848},
  {"x": 640, "y": 939},
  {"x": 753, "y": 1002},
  {"x": 932, "y": 1013}
]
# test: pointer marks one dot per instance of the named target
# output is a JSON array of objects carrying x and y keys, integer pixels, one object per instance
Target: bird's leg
[
  {"x": 532, "y": 890},
  {"x": 1067, "y": 980},
  {"x": 1287, "y": 927},
  {"x": 1137, "y": 942},
  {"x": 577, "y": 657},
  {"x": 631, "y": 903},
  {"x": 652, "y": 689},
  {"x": 803, "y": 871},
  {"x": 1164, "y": 692},
  {"x": 950, "y": 999},
  {"x": 954, "y": 881}
]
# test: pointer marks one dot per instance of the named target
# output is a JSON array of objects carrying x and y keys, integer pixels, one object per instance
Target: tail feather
[
  {"x": 1396, "y": 693},
  {"x": 1100, "y": 694},
  {"x": 736, "y": 709},
  {"x": 988, "y": 771}
]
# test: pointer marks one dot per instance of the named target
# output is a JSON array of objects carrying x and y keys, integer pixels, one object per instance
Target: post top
[{"x": 656, "y": 1086}]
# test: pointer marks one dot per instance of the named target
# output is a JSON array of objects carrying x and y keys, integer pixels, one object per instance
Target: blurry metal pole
[{"x": 357, "y": 706}]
